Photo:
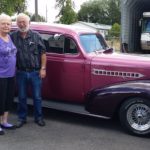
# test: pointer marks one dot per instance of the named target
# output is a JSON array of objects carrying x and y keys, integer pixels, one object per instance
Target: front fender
[{"x": 106, "y": 101}]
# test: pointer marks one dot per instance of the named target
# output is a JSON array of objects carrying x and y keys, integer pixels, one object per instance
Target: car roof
[{"x": 59, "y": 28}]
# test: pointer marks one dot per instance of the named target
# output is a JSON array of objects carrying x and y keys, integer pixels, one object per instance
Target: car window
[
  {"x": 70, "y": 46},
  {"x": 92, "y": 42},
  {"x": 52, "y": 44},
  {"x": 56, "y": 43}
]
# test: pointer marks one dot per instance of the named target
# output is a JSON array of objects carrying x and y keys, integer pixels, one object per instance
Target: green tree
[
  {"x": 100, "y": 11},
  {"x": 115, "y": 30},
  {"x": 94, "y": 11},
  {"x": 114, "y": 11},
  {"x": 40, "y": 18},
  {"x": 60, "y": 4},
  {"x": 9, "y": 7},
  {"x": 68, "y": 16}
]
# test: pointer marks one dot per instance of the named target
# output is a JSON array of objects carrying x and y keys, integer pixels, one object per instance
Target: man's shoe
[
  {"x": 40, "y": 122},
  {"x": 20, "y": 123}
]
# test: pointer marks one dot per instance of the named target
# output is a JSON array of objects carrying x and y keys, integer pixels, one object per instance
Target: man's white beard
[{"x": 24, "y": 29}]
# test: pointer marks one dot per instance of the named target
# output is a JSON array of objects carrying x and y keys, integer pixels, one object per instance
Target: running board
[{"x": 69, "y": 107}]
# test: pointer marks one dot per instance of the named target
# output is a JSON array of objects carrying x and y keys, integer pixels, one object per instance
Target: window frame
[{"x": 64, "y": 42}]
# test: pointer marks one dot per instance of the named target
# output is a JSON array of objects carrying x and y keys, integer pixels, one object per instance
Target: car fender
[{"x": 106, "y": 101}]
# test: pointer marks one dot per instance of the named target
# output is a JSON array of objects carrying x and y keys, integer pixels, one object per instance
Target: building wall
[
  {"x": 103, "y": 31},
  {"x": 131, "y": 13}
]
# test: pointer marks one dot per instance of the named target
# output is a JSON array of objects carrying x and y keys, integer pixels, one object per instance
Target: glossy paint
[
  {"x": 91, "y": 78},
  {"x": 107, "y": 101}
]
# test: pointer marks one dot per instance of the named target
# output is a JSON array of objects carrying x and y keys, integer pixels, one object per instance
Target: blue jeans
[{"x": 24, "y": 80}]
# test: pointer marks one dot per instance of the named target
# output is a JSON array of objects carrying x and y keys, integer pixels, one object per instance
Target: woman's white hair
[
  {"x": 22, "y": 15},
  {"x": 3, "y": 16}
]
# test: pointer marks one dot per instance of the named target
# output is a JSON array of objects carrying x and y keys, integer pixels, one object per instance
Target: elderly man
[{"x": 31, "y": 68}]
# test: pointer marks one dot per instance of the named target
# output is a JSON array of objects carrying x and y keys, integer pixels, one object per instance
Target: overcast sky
[{"x": 50, "y": 4}]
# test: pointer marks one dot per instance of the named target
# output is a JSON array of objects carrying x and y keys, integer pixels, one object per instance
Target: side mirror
[{"x": 109, "y": 50}]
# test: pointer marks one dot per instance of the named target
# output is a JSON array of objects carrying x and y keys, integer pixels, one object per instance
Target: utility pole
[
  {"x": 46, "y": 12},
  {"x": 36, "y": 10}
]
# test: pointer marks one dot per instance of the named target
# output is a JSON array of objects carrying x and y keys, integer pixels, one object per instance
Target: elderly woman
[{"x": 7, "y": 71}]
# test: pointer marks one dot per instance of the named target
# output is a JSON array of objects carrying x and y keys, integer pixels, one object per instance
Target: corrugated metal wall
[{"x": 131, "y": 13}]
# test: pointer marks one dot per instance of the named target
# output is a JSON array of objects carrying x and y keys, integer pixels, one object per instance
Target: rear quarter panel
[{"x": 106, "y": 101}]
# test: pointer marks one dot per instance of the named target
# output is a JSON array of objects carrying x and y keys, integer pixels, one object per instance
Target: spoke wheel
[
  {"x": 138, "y": 116},
  {"x": 135, "y": 116}
]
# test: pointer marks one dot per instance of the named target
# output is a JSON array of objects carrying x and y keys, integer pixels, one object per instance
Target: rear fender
[{"x": 106, "y": 101}]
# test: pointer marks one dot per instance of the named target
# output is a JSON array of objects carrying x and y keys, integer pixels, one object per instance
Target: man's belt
[{"x": 28, "y": 69}]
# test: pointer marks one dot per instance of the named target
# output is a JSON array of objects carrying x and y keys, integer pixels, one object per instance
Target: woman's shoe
[
  {"x": 8, "y": 126},
  {"x": 1, "y": 131}
]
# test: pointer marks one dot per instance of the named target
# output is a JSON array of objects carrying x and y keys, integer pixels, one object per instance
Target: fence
[{"x": 114, "y": 42}]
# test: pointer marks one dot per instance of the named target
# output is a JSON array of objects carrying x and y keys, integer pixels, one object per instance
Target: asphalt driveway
[{"x": 67, "y": 131}]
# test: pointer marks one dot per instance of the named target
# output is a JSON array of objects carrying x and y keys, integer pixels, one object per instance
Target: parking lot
[{"x": 67, "y": 131}]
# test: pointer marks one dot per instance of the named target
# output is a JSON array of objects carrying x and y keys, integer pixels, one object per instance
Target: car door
[{"x": 65, "y": 69}]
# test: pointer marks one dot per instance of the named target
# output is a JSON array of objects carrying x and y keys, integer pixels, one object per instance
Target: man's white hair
[
  {"x": 22, "y": 15},
  {"x": 3, "y": 16}
]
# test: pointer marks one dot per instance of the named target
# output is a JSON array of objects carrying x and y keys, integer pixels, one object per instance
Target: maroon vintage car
[{"x": 85, "y": 76}]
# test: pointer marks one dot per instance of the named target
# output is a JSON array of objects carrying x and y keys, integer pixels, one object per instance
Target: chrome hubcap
[{"x": 138, "y": 116}]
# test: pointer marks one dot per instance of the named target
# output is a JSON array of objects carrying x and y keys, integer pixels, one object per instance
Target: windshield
[
  {"x": 146, "y": 25},
  {"x": 92, "y": 42}
]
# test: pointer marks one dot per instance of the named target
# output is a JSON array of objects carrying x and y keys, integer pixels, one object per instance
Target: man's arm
[{"x": 43, "y": 65}]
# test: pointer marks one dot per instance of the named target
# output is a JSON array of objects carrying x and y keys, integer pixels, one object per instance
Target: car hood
[
  {"x": 122, "y": 59},
  {"x": 117, "y": 67}
]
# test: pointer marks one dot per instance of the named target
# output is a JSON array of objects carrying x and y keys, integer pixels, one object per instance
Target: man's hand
[{"x": 42, "y": 73}]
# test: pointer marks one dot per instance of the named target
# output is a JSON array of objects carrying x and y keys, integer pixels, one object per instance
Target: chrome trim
[{"x": 116, "y": 73}]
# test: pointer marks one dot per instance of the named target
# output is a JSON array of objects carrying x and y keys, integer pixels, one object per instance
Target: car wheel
[{"x": 135, "y": 116}]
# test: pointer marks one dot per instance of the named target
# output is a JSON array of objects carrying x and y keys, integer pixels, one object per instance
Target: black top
[{"x": 29, "y": 49}]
